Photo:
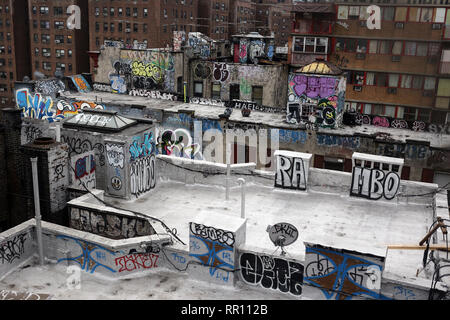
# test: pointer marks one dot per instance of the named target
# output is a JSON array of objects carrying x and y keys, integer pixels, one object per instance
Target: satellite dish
[{"x": 282, "y": 234}]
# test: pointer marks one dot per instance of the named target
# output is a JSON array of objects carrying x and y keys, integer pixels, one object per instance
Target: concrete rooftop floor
[{"x": 328, "y": 219}]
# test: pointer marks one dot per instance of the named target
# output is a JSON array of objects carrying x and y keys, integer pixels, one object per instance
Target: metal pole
[
  {"x": 241, "y": 181},
  {"x": 37, "y": 210},
  {"x": 227, "y": 179},
  {"x": 58, "y": 132}
]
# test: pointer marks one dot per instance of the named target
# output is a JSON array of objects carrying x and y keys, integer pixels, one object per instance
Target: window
[
  {"x": 198, "y": 89},
  {"x": 422, "y": 49},
  {"x": 145, "y": 12},
  {"x": 257, "y": 94},
  {"x": 43, "y": 10},
  {"x": 47, "y": 66},
  {"x": 370, "y": 78},
  {"x": 57, "y": 11},
  {"x": 430, "y": 83},
  {"x": 46, "y": 52},
  {"x": 111, "y": 11},
  {"x": 215, "y": 92},
  {"x": 406, "y": 81},
  {"x": 60, "y": 53},
  {"x": 45, "y": 38},
  {"x": 397, "y": 48},
  {"x": 59, "y": 25},
  {"x": 45, "y": 24},
  {"x": 410, "y": 48},
  {"x": 417, "y": 82},
  {"x": 381, "y": 79},
  {"x": 393, "y": 80},
  {"x": 388, "y": 13},
  {"x": 59, "y": 38},
  {"x": 235, "y": 91},
  {"x": 310, "y": 45}
]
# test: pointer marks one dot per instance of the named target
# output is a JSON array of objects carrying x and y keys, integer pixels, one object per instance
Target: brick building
[
  {"x": 399, "y": 71},
  {"x": 14, "y": 51},
  {"x": 53, "y": 46},
  {"x": 150, "y": 22}
]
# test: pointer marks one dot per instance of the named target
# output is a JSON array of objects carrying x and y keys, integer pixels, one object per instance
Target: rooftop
[{"x": 274, "y": 120}]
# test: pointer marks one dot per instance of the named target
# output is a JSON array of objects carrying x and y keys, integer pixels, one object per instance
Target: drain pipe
[
  {"x": 241, "y": 181},
  {"x": 37, "y": 210}
]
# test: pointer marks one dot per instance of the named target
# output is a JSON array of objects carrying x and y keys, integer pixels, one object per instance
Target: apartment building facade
[
  {"x": 149, "y": 22},
  {"x": 14, "y": 51},
  {"x": 274, "y": 17},
  {"x": 54, "y": 46},
  {"x": 400, "y": 71},
  {"x": 214, "y": 18}
]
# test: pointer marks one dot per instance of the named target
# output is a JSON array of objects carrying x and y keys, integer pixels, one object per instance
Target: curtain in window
[
  {"x": 426, "y": 14},
  {"x": 373, "y": 44},
  {"x": 370, "y": 78},
  {"x": 389, "y": 111},
  {"x": 363, "y": 14},
  {"x": 439, "y": 16},
  {"x": 393, "y": 80},
  {"x": 406, "y": 81},
  {"x": 397, "y": 48},
  {"x": 430, "y": 83}
]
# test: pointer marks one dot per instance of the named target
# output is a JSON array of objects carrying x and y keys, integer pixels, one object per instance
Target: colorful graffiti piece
[
  {"x": 81, "y": 84},
  {"x": 137, "y": 261},
  {"x": 39, "y": 107},
  {"x": 342, "y": 274},
  {"x": 139, "y": 149},
  {"x": 178, "y": 143},
  {"x": 90, "y": 254}
]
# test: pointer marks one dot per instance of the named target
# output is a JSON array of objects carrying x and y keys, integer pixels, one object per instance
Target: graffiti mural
[
  {"x": 109, "y": 225},
  {"x": 271, "y": 273},
  {"x": 338, "y": 141},
  {"x": 388, "y": 122},
  {"x": 83, "y": 171},
  {"x": 89, "y": 256},
  {"x": 374, "y": 183},
  {"x": 202, "y": 71},
  {"x": 139, "y": 149},
  {"x": 12, "y": 249},
  {"x": 221, "y": 72},
  {"x": 115, "y": 155},
  {"x": 80, "y": 83},
  {"x": 49, "y": 86},
  {"x": 178, "y": 143},
  {"x": 117, "y": 83},
  {"x": 38, "y": 106},
  {"x": 342, "y": 274},
  {"x": 212, "y": 248},
  {"x": 149, "y": 69},
  {"x": 137, "y": 261},
  {"x": 79, "y": 146},
  {"x": 14, "y": 295},
  {"x": 102, "y": 87},
  {"x": 243, "y": 47},
  {"x": 179, "y": 39},
  {"x": 291, "y": 173},
  {"x": 154, "y": 94},
  {"x": 318, "y": 98},
  {"x": 142, "y": 175},
  {"x": 256, "y": 50}
]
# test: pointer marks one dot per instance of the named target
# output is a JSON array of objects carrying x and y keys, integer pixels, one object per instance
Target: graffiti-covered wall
[
  {"x": 137, "y": 72},
  {"x": 238, "y": 81},
  {"x": 321, "y": 97}
]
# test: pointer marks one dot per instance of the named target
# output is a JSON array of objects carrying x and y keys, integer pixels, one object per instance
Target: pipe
[
  {"x": 228, "y": 177},
  {"x": 37, "y": 210},
  {"x": 241, "y": 181},
  {"x": 58, "y": 132}
]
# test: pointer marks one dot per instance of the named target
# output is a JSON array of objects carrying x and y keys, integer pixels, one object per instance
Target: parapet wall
[
  {"x": 255, "y": 267},
  {"x": 319, "y": 180}
]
